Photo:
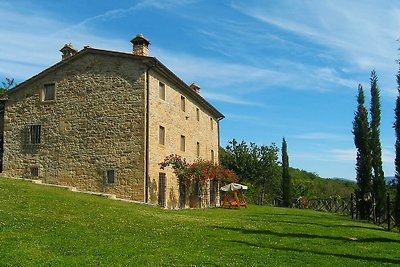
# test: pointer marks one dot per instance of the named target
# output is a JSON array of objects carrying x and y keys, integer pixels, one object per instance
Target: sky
[{"x": 279, "y": 68}]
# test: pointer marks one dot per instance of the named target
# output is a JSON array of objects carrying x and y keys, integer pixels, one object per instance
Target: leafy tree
[
  {"x": 256, "y": 165},
  {"x": 397, "y": 159},
  {"x": 378, "y": 177},
  {"x": 267, "y": 176},
  {"x": 363, "y": 160},
  {"x": 237, "y": 158},
  {"x": 7, "y": 85},
  {"x": 286, "y": 181}
]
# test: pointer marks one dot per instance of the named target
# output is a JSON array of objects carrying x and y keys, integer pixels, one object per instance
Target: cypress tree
[
  {"x": 363, "y": 160},
  {"x": 286, "y": 180},
  {"x": 378, "y": 177},
  {"x": 397, "y": 159}
]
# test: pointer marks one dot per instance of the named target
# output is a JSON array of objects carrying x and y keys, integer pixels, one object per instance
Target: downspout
[
  {"x": 147, "y": 132},
  {"x": 218, "y": 197},
  {"x": 218, "y": 120}
]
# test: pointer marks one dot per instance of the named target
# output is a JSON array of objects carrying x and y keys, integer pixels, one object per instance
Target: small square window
[
  {"x": 34, "y": 172},
  {"x": 161, "y": 135},
  {"x": 35, "y": 134},
  {"x": 110, "y": 176},
  {"x": 49, "y": 92},
  {"x": 183, "y": 143},
  {"x": 161, "y": 90},
  {"x": 183, "y": 103}
]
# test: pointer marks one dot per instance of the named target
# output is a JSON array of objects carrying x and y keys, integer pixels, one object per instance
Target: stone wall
[
  {"x": 168, "y": 114},
  {"x": 95, "y": 124}
]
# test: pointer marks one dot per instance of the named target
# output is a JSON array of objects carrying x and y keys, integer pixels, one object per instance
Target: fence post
[
  {"x": 351, "y": 206},
  {"x": 374, "y": 217},
  {"x": 388, "y": 210}
]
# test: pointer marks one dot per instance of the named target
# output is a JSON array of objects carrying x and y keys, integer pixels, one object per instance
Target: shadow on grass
[
  {"x": 346, "y": 256},
  {"x": 310, "y": 236},
  {"x": 333, "y": 225}
]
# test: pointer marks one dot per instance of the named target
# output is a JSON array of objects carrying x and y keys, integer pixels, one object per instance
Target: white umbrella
[{"x": 233, "y": 187}]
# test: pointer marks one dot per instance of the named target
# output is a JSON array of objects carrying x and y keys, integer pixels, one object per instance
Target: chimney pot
[
  {"x": 140, "y": 45},
  {"x": 68, "y": 51},
  {"x": 195, "y": 88}
]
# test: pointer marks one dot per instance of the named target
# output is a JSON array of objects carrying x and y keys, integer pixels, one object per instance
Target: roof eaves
[
  {"x": 187, "y": 89},
  {"x": 44, "y": 72}
]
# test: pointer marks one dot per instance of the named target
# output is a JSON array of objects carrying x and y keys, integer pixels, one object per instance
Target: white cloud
[
  {"x": 362, "y": 34},
  {"x": 344, "y": 154},
  {"x": 218, "y": 97},
  {"x": 218, "y": 73},
  {"x": 33, "y": 41},
  {"x": 321, "y": 136}
]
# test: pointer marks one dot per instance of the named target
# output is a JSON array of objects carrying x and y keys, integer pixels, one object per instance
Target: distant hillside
[{"x": 313, "y": 186}]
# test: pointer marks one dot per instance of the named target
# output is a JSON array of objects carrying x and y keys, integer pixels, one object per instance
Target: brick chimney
[
  {"x": 68, "y": 51},
  {"x": 140, "y": 45},
  {"x": 195, "y": 88}
]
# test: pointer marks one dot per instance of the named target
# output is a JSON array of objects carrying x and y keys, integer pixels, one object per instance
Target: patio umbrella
[{"x": 233, "y": 187}]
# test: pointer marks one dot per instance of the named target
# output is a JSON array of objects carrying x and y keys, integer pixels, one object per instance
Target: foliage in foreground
[{"x": 45, "y": 226}]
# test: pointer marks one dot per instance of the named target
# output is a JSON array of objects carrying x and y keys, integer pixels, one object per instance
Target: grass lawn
[{"x": 46, "y": 226}]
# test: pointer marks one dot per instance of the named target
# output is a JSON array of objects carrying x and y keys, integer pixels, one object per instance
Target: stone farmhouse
[{"x": 102, "y": 121}]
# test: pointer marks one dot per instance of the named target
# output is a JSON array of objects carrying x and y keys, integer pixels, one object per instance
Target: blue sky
[{"x": 276, "y": 69}]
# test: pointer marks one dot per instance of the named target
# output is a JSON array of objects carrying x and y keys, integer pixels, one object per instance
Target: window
[
  {"x": 212, "y": 155},
  {"x": 161, "y": 136},
  {"x": 161, "y": 90},
  {"x": 35, "y": 134},
  {"x": 162, "y": 188},
  {"x": 34, "y": 171},
  {"x": 212, "y": 124},
  {"x": 110, "y": 176},
  {"x": 183, "y": 143},
  {"x": 198, "y": 149},
  {"x": 49, "y": 92},
  {"x": 183, "y": 103},
  {"x": 198, "y": 114}
]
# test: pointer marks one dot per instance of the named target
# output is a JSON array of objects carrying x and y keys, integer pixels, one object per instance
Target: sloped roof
[{"x": 151, "y": 62}]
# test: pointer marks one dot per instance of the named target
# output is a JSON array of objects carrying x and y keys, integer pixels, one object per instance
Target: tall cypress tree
[
  {"x": 363, "y": 161},
  {"x": 378, "y": 177},
  {"x": 286, "y": 181},
  {"x": 397, "y": 159}
]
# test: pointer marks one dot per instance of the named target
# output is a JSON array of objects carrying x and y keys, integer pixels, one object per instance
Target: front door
[{"x": 162, "y": 188}]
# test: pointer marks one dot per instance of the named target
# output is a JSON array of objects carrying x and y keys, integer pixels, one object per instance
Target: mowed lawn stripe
[{"x": 47, "y": 226}]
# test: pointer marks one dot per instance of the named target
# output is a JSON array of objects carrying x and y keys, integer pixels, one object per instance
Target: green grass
[{"x": 46, "y": 226}]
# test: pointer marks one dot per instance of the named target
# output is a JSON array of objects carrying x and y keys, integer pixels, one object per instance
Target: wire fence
[{"x": 349, "y": 207}]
